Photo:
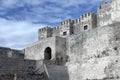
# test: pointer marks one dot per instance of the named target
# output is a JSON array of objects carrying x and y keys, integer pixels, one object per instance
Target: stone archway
[{"x": 47, "y": 53}]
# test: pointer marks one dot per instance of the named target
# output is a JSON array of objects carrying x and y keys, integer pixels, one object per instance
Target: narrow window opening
[
  {"x": 115, "y": 48},
  {"x": 65, "y": 33},
  {"x": 85, "y": 27}
]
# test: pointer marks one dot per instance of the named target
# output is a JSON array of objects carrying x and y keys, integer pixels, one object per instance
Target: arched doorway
[{"x": 47, "y": 53}]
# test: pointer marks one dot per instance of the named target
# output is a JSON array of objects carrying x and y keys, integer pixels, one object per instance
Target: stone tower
[
  {"x": 108, "y": 13},
  {"x": 66, "y": 28},
  {"x": 88, "y": 21},
  {"x": 104, "y": 14},
  {"x": 85, "y": 22},
  {"x": 44, "y": 33}
]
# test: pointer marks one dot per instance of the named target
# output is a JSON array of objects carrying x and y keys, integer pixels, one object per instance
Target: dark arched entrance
[{"x": 47, "y": 53}]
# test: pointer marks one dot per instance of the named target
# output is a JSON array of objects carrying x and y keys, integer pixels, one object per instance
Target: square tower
[
  {"x": 44, "y": 33},
  {"x": 104, "y": 14},
  {"x": 88, "y": 21},
  {"x": 66, "y": 28},
  {"x": 85, "y": 22}
]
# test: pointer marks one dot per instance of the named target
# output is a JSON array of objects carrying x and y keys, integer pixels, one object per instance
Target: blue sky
[{"x": 21, "y": 19}]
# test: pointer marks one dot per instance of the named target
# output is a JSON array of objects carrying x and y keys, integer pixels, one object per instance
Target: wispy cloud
[{"x": 45, "y": 10}]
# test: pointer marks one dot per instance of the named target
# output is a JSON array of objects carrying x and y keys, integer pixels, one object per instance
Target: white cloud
[{"x": 17, "y": 34}]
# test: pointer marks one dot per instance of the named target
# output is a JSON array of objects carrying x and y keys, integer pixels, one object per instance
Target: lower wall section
[
  {"x": 20, "y": 66},
  {"x": 41, "y": 76},
  {"x": 20, "y": 69},
  {"x": 14, "y": 66}
]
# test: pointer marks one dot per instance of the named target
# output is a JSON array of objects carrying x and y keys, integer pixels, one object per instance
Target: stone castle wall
[{"x": 95, "y": 54}]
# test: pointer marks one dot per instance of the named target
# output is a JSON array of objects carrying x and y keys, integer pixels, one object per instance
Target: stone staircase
[{"x": 56, "y": 72}]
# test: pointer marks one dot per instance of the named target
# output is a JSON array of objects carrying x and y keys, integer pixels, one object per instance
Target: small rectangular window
[
  {"x": 99, "y": 7},
  {"x": 85, "y": 15},
  {"x": 88, "y": 14},
  {"x": 64, "y": 33},
  {"x": 85, "y": 27}
]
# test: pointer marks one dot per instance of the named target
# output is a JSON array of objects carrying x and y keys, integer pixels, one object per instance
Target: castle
[
  {"x": 56, "y": 38},
  {"x": 87, "y": 48}
]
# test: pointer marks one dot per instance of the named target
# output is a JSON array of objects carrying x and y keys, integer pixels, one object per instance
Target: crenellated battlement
[
  {"x": 45, "y": 29},
  {"x": 45, "y": 32},
  {"x": 56, "y": 28},
  {"x": 87, "y": 15},
  {"x": 69, "y": 21},
  {"x": 77, "y": 20},
  {"x": 83, "y": 17}
]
